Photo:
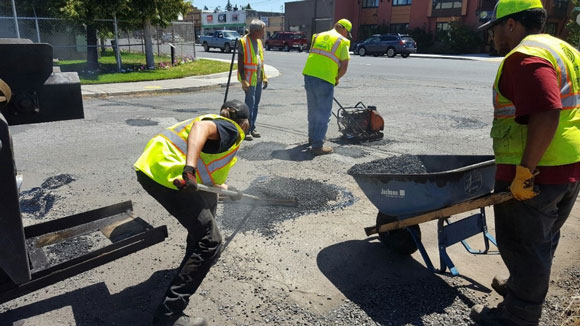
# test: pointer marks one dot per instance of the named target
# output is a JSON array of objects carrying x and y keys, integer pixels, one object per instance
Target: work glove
[
  {"x": 245, "y": 85},
  {"x": 265, "y": 82},
  {"x": 236, "y": 197},
  {"x": 188, "y": 181},
  {"x": 522, "y": 187}
]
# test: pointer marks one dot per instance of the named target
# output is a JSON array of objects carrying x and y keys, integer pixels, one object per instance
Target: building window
[
  {"x": 402, "y": 2},
  {"x": 447, "y": 4},
  {"x": 399, "y": 28},
  {"x": 442, "y": 27},
  {"x": 551, "y": 28},
  {"x": 370, "y": 3}
]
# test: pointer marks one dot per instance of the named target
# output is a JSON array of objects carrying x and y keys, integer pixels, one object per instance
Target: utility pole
[{"x": 15, "y": 19}]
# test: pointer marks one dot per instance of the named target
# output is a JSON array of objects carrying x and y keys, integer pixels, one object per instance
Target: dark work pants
[
  {"x": 195, "y": 210},
  {"x": 527, "y": 236}
]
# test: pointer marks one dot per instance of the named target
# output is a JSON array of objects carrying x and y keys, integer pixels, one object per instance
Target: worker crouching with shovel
[{"x": 200, "y": 150}]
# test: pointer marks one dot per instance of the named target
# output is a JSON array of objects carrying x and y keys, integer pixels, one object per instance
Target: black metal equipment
[
  {"x": 231, "y": 68},
  {"x": 359, "y": 123},
  {"x": 39, "y": 95}
]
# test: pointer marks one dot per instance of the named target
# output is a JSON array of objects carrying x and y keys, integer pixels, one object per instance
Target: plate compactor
[{"x": 359, "y": 123}]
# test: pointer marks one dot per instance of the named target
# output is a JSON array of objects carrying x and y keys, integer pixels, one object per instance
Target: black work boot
[
  {"x": 499, "y": 284},
  {"x": 178, "y": 320},
  {"x": 485, "y": 316}
]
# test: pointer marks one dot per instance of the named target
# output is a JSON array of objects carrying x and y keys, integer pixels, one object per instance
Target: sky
[{"x": 260, "y": 5}]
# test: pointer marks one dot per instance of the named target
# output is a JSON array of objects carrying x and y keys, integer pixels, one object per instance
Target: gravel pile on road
[
  {"x": 312, "y": 196},
  {"x": 404, "y": 164}
]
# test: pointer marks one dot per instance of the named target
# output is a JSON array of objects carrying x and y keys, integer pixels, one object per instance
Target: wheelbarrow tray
[{"x": 450, "y": 179}]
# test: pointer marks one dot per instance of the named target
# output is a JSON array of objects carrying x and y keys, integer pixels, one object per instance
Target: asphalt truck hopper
[{"x": 54, "y": 253}]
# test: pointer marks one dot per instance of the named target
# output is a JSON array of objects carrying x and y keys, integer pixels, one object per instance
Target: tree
[
  {"x": 229, "y": 6},
  {"x": 572, "y": 26},
  {"x": 460, "y": 38},
  {"x": 205, "y": 8},
  {"x": 248, "y": 6},
  {"x": 86, "y": 12},
  {"x": 145, "y": 13}
]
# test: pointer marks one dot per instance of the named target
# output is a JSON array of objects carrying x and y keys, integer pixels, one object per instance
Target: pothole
[
  {"x": 57, "y": 181},
  {"x": 261, "y": 151},
  {"x": 312, "y": 196},
  {"x": 37, "y": 202},
  {"x": 141, "y": 122},
  {"x": 189, "y": 110}
]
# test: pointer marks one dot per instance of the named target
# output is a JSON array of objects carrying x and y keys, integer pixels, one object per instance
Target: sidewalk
[
  {"x": 187, "y": 84},
  {"x": 474, "y": 57},
  {"x": 197, "y": 83}
]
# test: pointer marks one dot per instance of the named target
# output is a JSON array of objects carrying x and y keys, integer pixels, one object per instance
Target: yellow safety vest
[
  {"x": 164, "y": 156},
  {"x": 324, "y": 59},
  {"x": 251, "y": 60},
  {"x": 509, "y": 137}
]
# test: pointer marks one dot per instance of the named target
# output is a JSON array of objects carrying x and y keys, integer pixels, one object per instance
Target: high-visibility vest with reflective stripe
[
  {"x": 164, "y": 156},
  {"x": 251, "y": 60},
  {"x": 324, "y": 59},
  {"x": 509, "y": 137}
]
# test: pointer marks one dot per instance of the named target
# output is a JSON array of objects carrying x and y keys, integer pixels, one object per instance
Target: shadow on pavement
[
  {"x": 297, "y": 154},
  {"x": 391, "y": 289},
  {"x": 94, "y": 305}
]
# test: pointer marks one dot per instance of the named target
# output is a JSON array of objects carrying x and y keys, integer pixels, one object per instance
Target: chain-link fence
[{"x": 69, "y": 39}]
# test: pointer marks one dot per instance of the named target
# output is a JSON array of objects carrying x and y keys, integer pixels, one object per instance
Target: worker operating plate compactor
[{"x": 359, "y": 123}]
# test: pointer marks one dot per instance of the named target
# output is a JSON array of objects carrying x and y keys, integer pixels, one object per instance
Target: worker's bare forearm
[
  {"x": 541, "y": 129},
  {"x": 343, "y": 68},
  {"x": 200, "y": 132}
]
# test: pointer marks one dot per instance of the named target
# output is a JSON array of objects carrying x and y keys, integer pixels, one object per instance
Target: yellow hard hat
[
  {"x": 346, "y": 24},
  {"x": 505, "y": 8}
]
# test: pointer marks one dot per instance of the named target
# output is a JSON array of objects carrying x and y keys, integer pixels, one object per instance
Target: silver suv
[{"x": 390, "y": 44}]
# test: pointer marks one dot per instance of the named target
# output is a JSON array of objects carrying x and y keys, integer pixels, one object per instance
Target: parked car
[
  {"x": 224, "y": 40},
  {"x": 287, "y": 41},
  {"x": 168, "y": 37},
  {"x": 390, "y": 44}
]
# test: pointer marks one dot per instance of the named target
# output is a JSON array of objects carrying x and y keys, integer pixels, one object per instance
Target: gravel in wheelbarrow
[{"x": 409, "y": 185}]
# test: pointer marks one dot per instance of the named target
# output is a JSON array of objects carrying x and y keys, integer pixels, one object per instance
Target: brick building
[{"x": 371, "y": 16}]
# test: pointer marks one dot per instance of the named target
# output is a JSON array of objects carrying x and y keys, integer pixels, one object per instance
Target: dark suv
[
  {"x": 390, "y": 44},
  {"x": 287, "y": 41}
]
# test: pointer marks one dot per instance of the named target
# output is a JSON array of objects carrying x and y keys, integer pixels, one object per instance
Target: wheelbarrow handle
[{"x": 488, "y": 200}]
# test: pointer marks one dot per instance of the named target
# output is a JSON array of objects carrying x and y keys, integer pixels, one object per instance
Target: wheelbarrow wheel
[{"x": 399, "y": 241}]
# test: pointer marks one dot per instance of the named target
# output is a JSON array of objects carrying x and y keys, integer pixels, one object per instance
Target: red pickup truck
[{"x": 287, "y": 41}]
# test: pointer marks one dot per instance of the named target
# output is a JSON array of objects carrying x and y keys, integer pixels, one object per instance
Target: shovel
[{"x": 246, "y": 199}]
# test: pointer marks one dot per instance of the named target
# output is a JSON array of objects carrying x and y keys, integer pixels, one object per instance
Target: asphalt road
[{"x": 307, "y": 267}]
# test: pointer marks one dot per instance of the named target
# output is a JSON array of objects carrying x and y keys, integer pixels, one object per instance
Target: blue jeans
[
  {"x": 253, "y": 96},
  {"x": 319, "y": 95},
  {"x": 527, "y": 236}
]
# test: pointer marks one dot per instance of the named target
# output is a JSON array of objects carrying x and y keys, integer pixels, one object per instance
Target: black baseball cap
[{"x": 241, "y": 110}]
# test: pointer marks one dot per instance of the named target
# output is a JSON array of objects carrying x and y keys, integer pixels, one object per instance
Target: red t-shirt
[{"x": 531, "y": 84}]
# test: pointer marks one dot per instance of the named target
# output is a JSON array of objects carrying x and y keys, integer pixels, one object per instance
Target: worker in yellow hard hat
[
  {"x": 326, "y": 64},
  {"x": 536, "y": 142}
]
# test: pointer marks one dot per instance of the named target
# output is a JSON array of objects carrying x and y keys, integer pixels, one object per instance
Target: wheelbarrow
[{"x": 452, "y": 184}]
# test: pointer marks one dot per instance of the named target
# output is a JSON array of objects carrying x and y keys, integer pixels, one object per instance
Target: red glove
[{"x": 188, "y": 181}]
